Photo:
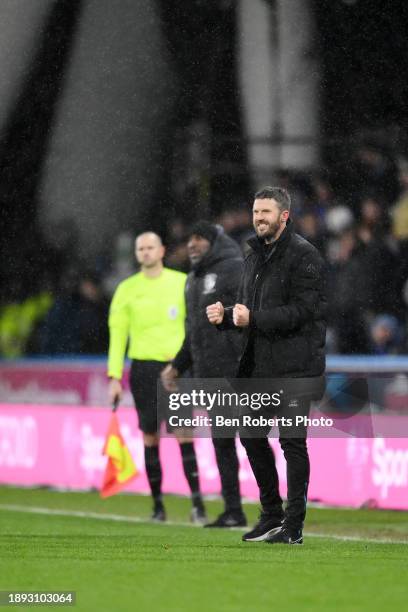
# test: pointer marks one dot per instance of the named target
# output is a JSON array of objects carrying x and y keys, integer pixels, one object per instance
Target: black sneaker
[
  {"x": 266, "y": 525},
  {"x": 230, "y": 518},
  {"x": 286, "y": 536},
  {"x": 159, "y": 514}
]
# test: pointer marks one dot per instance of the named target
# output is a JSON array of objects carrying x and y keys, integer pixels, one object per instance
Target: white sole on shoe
[{"x": 263, "y": 537}]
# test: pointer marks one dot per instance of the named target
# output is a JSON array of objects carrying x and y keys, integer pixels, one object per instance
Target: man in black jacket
[
  {"x": 281, "y": 313},
  {"x": 217, "y": 265}
]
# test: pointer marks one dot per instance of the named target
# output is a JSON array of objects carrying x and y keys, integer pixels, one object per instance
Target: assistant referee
[{"x": 148, "y": 311}]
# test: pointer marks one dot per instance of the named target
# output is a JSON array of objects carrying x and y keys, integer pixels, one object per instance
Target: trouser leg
[
  {"x": 294, "y": 445},
  {"x": 262, "y": 460},
  {"x": 298, "y": 473},
  {"x": 190, "y": 468},
  {"x": 228, "y": 467}
]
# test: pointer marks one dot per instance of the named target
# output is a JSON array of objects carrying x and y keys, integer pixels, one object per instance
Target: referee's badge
[
  {"x": 209, "y": 283},
  {"x": 173, "y": 312}
]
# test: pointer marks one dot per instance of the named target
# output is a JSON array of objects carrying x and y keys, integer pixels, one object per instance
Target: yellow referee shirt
[{"x": 150, "y": 313}]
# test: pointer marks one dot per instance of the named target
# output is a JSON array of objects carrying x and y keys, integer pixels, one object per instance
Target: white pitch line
[
  {"x": 121, "y": 518},
  {"x": 93, "y": 515}
]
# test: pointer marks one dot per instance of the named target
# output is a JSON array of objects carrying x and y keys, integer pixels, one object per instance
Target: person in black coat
[
  {"x": 217, "y": 264},
  {"x": 281, "y": 314}
]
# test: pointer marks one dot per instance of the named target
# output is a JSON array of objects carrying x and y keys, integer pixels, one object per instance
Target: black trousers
[
  {"x": 262, "y": 459},
  {"x": 228, "y": 467}
]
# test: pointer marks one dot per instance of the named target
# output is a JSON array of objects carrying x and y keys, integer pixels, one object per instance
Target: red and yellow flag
[{"x": 120, "y": 468}]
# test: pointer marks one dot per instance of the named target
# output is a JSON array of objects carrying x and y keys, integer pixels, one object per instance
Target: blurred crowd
[{"x": 357, "y": 218}]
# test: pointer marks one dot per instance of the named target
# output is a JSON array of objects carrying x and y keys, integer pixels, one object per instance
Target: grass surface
[{"x": 118, "y": 565}]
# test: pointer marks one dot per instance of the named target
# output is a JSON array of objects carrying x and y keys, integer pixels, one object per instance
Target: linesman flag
[{"x": 120, "y": 469}]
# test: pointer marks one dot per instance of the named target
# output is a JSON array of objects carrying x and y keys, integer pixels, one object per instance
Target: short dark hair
[{"x": 280, "y": 195}]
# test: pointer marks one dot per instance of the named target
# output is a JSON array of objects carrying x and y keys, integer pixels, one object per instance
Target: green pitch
[{"x": 114, "y": 561}]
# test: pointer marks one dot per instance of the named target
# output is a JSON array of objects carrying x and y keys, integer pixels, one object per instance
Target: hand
[
  {"x": 115, "y": 390},
  {"x": 240, "y": 315},
  {"x": 215, "y": 313},
  {"x": 168, "y": 378}
]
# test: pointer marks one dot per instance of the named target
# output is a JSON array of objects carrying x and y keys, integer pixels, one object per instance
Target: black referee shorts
[{"x": 144, "y": 376}]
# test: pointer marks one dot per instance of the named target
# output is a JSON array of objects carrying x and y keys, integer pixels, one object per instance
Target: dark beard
[{"x": 270, "y": 235}]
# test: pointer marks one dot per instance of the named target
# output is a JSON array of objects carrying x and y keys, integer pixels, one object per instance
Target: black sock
[
  {"x": 154, "y": 472},
  {"x": 191, "y": 471}
]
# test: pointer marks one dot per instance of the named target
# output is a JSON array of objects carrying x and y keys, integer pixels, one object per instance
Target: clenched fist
[
  {"x": 240, "y": 315},
  {"x": 215, "y": 313}
]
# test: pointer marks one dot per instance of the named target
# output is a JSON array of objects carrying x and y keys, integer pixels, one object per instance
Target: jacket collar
[{"x": 257, "y": 244}]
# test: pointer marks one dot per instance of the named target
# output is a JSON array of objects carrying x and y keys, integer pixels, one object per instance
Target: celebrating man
[{"x": 281, "y": 312}]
